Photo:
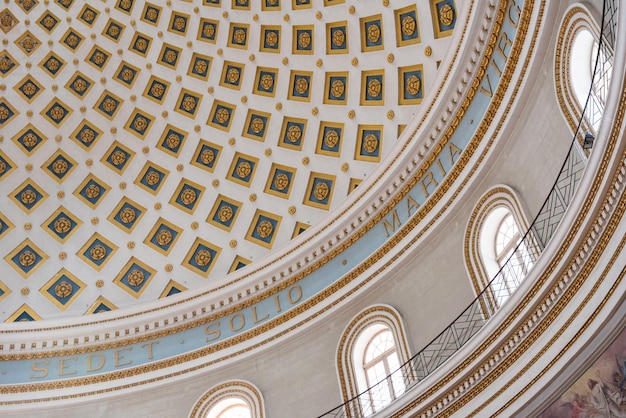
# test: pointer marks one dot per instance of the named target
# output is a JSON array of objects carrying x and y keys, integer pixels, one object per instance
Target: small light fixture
[{"x": 588, "y": 141}]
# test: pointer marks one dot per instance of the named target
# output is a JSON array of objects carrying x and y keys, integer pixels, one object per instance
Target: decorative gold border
[
  {"x": 328, "y": 87},
  {"x": 133, "y": 117},
  {"x": 173, "y": 16},
  {"x": 233, "y": 167},
  {"x": 31, "y": 183},
  {"x": 150, "y": 165},
  {"x": 28, "y": 77},
  {"x": 254, "y": 224},
  {"x": 283, "y": 132},
  {"x": 218, "y": 200},
  {"x": 295, "y": 40},
  {"x": 196, "y": 155},
  {"x": 309, "y": 189},
  {"x": 157, "y": 225},
  {"x": 94, "y": 65},
  {"x": 292, "y": 78},
  {"x": 264, "y": 30},
  {"x": 24, "y": 308},
  {"x": 54, "y": 102},
  {"x": 22, "y": 132},
  {"x": 399, "y": 24},
  {"x": 88, "y": 178},
  {"x": 329, "y": 27},
  {"x": 237, "y": 260},
  {"x": 27, "y": 242},
  {"x": 320, "y": 138},
  {"x": 257, "y": 77},
  {"x": 100, "y": 301},
  {"x": 152, "y": 79},
  {"x": 53, "y": 157},
  {"x": 123, "y": 64},
  {"x": 192, "y": 62},
  {"x": 223, "y": 78},
  {"x": 124, "y": 271},
  {"x": 108, "y": 152},
  {"x": 186, "y": 182},
  {"x": 98, "y": 102},
  {"x": 246, "y": 125},
  {"x": 74, "y": 218},
  {"x": 186, "y": 261},
  {"x": 96, "y": 236},
  {"x": 171, "y": 285},
  {"x": 118, "y": 207},
  {"x": 359, "y": 143},
  {"x": 63, "y": 272},
  {"x": 68, "y": 85},
  {"x": 362, "y": 29},
  {"x": 230, "y": 35},
  {"x": 229, "y": 106},
  {"x": 364, "y": 87},
  {"x": 270, "y": 180},
  {"x": 179, "y": 103}
]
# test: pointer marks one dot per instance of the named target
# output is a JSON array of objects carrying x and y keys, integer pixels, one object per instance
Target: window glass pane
[{"x": 236, "y": 411}]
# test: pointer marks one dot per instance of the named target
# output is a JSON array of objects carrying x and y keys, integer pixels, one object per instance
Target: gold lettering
[
  {"x": 395, "y": 220},
  {"x": 503, "y": 43},
  {"x": 118, "y": 357},
  {"x": 514, "y": 18},
  {"x": 149, "y": 345},
  {"x": 443, "y": 172},
  {"x": 256, "y": 319},
  {"x": 217, "y": 332},
  {"x": 34, "y": 367},
  {"x": 90, "y": 366},
  {"x": 242, "y": 319},
  {"x": 428, "y": 180},
  {"x": 63, "y": 366},
  {"x": 292, "y": 300},
  {"x": 495, "y": 66},
  {"x": 454, "y": 150},
  {"x": 410, "y": 204},
  {"x": 278, "y": 308},
  {"x": 489, "y": 92}
]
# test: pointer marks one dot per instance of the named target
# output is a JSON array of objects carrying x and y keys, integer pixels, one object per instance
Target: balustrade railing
[{"x": 530, "y": 247}]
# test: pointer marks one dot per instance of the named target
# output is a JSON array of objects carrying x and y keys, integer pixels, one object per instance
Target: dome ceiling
[{"x": 150, "y": 148}]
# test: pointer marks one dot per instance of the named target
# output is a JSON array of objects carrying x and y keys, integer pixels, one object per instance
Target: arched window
[
  {"x": 575, "y": 61},
  {"x": 234, "y": 399},
  {"x": 495, "y": 246},
  {"x": 372, "y": 348}
]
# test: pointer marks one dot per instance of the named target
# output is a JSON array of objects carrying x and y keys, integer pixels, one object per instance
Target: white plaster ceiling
[{"x": 184, "y": 97}]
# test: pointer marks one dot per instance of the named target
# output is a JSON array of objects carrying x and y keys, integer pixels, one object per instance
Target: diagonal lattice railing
[{"x": 522, "y": 259}]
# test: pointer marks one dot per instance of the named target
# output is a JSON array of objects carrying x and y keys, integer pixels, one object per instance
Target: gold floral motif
[
  {"x": 135, "y": 277},
  {"x": 89, "y": 15},
  {"x": 179, "y": 23},
  {"x": 208, "y": 31},
  {"x": 413, "y": 85},
  {"x": 207, "y": 156},
  {"x": 157, "y": 89},
  {"x": 152, "y": 14},
  {"x": 239, "y": 36},
  {"x": 3, "y": 167},
  {"x": 321, "y": 191},
  {"x": 164, "y": 237},
  {"x": 222, "y": 115},
  {"x": 408, "y": 25},
  {"x": 370, "y": 143},
  {"x": 304, "y": 39},
  {"x": 188, "y": 196},
  {"x": 331, "y": 138},
  {"x": 118, "y": 158},
  {"x": 337, "y": 88},
  {"x": 79, "y": 85},
  {"x": 373, "y": 32},
  {"x": 28, "y": 197},
  {"x": 57, "y": 112},
  {"x": 267, "y": 81},
  {"x": 152, "y": 177},
  {"x": 257, "y": 125},
  {"x": 339, "y": 37},
  {"x": 72, "y": 40},
  {"x": 27, "y": 258},
  {"x": 114, "y": 31},
  {"x": 28, "y": 4},
  {"x": 140, "y": 123},
  {"x": 4, "y": 112},
  {"x": 374, "y": 87},
  {"x": 446, "y": 15},
  {"x": 48, "y": 22},
  {"x": 225, "y": 213},
  {"x": 28, "y": 43},
  {"x": 59, "y": 166},
  {"x": 6, "y": 20},
  {"x": 29, "y": 89},
  {"x": 127, "y": 74},
  {"x": 5, "y": 63},
  {"x": 200, "y": 66},
  {"x": 170, "y": 56},
  {"x": 92, "y": 191},
  {"x": 203, "y": 258},
  {"x": 125, "y": 4},
  {"x": 189, "y": 103},
  {"x": 99, "y": 58},
  {"x": 271, "y": 38},
  {"x": 62, "y": 225},
  {"x": 29, "y": 140},
  {"x": 233, "y": 75},
  {"x": 63, "y": 289},
  {"x": 244, "y": 169},
  {"x": 141, "y": 44},
  {"x": 53, "y": 64},
  {"x": 97, "y": 253},
  {"x": 294, "y": 133},
  {"x": 127, "y": 215},
  {"x": 281, "y": 181},
  {"x": 302, "y": 85},
  {"x": 109, "y": 105},
  {"x": 264, "y": 229},
  {"x": 87, "y": 135}
]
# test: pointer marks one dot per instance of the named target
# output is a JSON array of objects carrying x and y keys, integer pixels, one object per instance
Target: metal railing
[{"x": 522, "y": 259}]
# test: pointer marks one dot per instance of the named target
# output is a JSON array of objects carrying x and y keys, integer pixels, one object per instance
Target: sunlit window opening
[
  {"x": 380, "y": 360},
  {"x": 230, "y": 408}
]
